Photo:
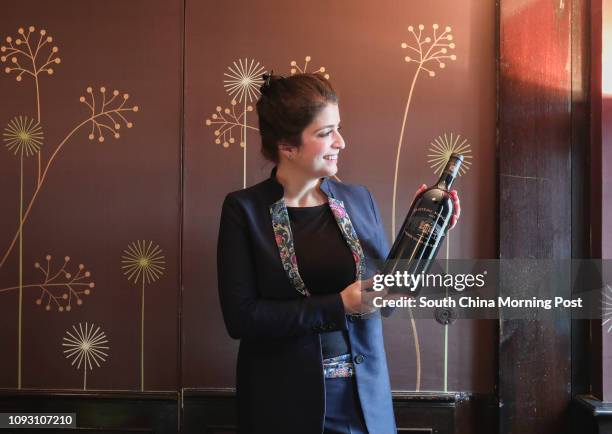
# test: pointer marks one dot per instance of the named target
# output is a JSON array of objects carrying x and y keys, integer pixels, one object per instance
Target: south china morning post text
[{"x": 477, "y": 302}]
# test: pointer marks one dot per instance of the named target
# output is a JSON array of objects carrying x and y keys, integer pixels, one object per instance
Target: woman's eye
[{"x": 327, "y": 133}]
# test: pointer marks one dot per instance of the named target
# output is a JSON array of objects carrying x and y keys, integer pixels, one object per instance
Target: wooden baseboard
[{"x": 212, "y": 410}]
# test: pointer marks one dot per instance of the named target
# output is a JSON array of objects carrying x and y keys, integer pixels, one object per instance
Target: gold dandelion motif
[
  {"x": 143, "y": 262},
  {"x": 227, "y": 121},
  {"x": 31, "y": 53},
  {"x": 85, "y": 346},
  {"x": 23, "y": 136},
  {"x": 60, "y": 289},
  {"x": 107, "y": 112},
  {"x": 441, "y": 149},
  {"x": 295, "y": 68},
  {"x": 243, "y": 80},
  {"x": 27, "y": 47},
  {"x": 242, "y": 83},
  {"x": 434, "y": 49}
]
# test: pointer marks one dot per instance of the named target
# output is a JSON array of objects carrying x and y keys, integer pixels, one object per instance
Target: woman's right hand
[{"x": 354, "y": 299}]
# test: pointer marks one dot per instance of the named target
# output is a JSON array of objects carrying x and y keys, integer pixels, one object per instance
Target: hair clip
[{"x": 267, "y": 78}]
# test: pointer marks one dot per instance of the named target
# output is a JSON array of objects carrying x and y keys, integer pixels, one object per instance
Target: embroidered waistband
[{"x": 338, "y": 367}]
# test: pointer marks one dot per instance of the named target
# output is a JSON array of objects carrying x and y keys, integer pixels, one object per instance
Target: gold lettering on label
[{"x": 425, "y": 227}]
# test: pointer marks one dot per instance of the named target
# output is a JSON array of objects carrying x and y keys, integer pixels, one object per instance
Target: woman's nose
[{"x": 339, "y": 142}]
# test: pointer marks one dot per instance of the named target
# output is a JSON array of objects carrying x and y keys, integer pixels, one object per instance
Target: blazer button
[{"x": 359, "y": 358}]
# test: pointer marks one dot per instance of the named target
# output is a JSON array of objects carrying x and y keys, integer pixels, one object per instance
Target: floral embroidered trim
[
  {"x": 350, "y": 236},
  {"x": 284, "y": 242},
  {"x": 338, "y": 367}
]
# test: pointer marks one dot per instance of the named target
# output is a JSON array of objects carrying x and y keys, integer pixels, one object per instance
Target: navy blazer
[{"x": 279, "y": 380}]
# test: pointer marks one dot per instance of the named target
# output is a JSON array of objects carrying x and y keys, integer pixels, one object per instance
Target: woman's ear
[{"x": 286, "y": 150}]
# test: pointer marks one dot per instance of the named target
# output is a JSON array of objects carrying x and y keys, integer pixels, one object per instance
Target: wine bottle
[{"x": 424, "y": 228}]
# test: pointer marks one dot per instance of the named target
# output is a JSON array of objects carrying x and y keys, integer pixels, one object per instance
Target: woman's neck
[{"x": 300, "y": 190}]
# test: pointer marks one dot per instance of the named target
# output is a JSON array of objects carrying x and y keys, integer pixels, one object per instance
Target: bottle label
[{"x": 425, "y": 227}]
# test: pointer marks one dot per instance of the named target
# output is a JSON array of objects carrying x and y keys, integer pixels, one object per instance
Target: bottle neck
[
  {"x": 446, "y": 181},
  {"x": 449, "y": 174}
]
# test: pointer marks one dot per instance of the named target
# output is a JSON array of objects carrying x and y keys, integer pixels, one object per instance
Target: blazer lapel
[
  {"x": 350, "y": 235},
  {"x": 286, "y": 249},
  {"x": 284, "y": 242}
]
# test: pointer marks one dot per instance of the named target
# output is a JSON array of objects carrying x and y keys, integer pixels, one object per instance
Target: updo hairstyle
[{"x": 287, "y": 105}]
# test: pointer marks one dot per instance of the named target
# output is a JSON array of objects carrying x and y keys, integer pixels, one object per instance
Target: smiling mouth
[{"x": 330, "y": 157}]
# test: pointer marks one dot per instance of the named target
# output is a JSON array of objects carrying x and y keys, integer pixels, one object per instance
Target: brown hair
[{"x": 287, "y": 105}]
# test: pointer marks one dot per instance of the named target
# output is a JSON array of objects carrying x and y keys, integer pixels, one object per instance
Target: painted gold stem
[
  {"x": 417, "y": 346},
  {"x": 38, "y": 285},
  {"x": 417, "y": 350},
  {"x": 20, "y": 320},
  {"x": 142, "y": 312},
  {"x": 399, "y": 151},
  {"x": 244, "y": 135},
  {"x": 39, "y": 156},
  {"x": 446, "y": 325}
]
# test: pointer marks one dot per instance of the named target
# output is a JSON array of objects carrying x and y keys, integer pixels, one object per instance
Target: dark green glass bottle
[{"x": 425, "y": 226}]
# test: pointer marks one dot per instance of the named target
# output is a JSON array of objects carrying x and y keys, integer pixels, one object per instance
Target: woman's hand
[
  {"x": 456, "y": 208},
  {"x": 456, "y": 204},
  {"x": 420, "y": 190},
  {"x": 354, "y": 297}
]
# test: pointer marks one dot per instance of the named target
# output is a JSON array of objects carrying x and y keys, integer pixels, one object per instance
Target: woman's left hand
[
  {"x": 456, "y": 204},
  {"x": 456, "y": 208}
]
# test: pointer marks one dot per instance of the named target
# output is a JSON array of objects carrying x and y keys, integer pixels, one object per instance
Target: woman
[{"x": 293, "y": 254}]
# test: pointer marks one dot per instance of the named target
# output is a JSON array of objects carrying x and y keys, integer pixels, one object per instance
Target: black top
[{"x": 325, "y": 262}]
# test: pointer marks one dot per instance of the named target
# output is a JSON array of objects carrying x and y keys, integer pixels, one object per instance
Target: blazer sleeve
[
  {"x": 382, "y": 244},
  {"x": 245, "y": 313}
]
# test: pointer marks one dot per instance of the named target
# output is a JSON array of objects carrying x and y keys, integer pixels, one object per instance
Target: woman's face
[{"x": 321, "y": 144}]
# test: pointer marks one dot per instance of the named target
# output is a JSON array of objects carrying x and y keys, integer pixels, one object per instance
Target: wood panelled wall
[{"x": 544, "y": 161}]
